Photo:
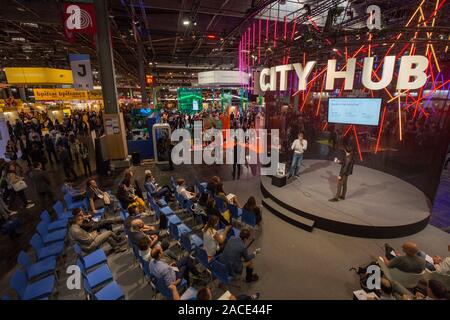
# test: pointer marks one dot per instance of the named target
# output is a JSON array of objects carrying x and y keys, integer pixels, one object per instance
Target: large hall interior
[{"x": 224, "y": 150}]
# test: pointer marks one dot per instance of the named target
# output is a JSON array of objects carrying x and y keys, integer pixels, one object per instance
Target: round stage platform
[{"x": 377, "y": 205}]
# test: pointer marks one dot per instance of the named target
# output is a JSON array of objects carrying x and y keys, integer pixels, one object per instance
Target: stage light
[
  {"x": 186, "y": 22},
  {"x": 211, "y": 36},
  {"x": 334, "y": 49}
]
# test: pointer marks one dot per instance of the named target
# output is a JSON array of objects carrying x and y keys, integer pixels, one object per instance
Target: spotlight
[{"x": 186, "y": 22}]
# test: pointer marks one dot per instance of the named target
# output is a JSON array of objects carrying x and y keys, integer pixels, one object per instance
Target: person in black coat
[{"x": 346, "y": 170}]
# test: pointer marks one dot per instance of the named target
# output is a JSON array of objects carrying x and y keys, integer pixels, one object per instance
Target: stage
[{"x": 377, "y": 205}]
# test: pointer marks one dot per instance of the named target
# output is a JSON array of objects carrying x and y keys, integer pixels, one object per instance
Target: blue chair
[
  {"x": 50, "y": 237},
  {"x": 171, "y": 218},
  {"x": 42, "y": 251},
  {"x": 236, "y": 212},
  {"x": 72, "y": 205},
  {"x": 176, "y": 230},
  {"x": 202, "y": 257},
  {"x": 29, "y": 291},
  {"x": 61, "y": 211},
  {"x": 97, "y": 277},
  {"x": 39, "y": 269},
  {"x": 220, "y": 271},
  {"x": 248, "y": 218},
  {"x": 55, "y": 225},
  {"x": 190, "y": 242},
  {"x": 112, "y": 291},
  {"x": 220, "y": 204},
  {"x": 92, "y": 259},
  {"x": 161, "y": 287}
]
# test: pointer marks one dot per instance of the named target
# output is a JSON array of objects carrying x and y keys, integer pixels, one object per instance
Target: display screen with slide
[{"x": 361, "y": 111}]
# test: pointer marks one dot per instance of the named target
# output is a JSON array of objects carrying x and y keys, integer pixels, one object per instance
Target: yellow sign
[
  {"x": 38, "y": 76},
  {"x": 60, "y": 94},
  {"x": 95, "y": 95}
]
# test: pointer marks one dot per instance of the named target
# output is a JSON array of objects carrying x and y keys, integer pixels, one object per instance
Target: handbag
[{"x": 19, "y": 185}]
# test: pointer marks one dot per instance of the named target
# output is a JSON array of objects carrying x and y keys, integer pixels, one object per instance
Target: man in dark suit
[{"x": 346, "y": 170}]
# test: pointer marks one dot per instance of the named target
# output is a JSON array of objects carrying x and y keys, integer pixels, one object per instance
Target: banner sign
[
  {"x": 411, "y": 74},
  {"x": 79, "y": 18},
  {"x": 38, "y": 76},
  {"x": 60, "y": 94},
  {"x": 81, "y": 71}
]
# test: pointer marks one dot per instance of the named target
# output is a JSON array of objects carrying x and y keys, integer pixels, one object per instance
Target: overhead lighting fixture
[
  {"x": 335, "y": 50},
  {"x": 186, "y": 22}
]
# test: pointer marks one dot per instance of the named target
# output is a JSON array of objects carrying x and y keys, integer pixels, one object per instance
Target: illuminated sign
[
  {"x": 411, "y": 74},
  {"x": 38, "y": 76},
  {"x": 66, "y": 94}
]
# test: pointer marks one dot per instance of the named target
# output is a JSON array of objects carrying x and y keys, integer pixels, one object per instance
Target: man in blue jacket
[{"x": 235, "y": 256}]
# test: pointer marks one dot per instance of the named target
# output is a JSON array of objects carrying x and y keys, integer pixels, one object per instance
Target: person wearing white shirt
[
  {"x": 181, "y": 189},
  {"x": 299, "y": 146}
]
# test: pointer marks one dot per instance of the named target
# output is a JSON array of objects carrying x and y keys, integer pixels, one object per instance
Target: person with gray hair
[{"x": 410, "y": 262}]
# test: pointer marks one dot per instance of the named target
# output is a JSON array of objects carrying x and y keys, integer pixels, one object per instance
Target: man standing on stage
[
  {"x": 299, "y": 146},
  {"x": 346, "y": 170}
]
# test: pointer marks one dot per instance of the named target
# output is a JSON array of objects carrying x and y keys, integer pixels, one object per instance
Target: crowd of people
[
  {"x": 148, "y": 233},
  {"x": 414, "y": 261}
]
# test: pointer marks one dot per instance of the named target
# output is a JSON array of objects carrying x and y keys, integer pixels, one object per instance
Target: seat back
[
  {"x": 185, "y": 242},
  {"x": 19, "y": 283},
  {"x": 220, "y": 204},
  {"x": 220, "y": 271},
  {"x": 249, "y": 218},
  {"x": 42, "y": 228},
  {"x": 59, "y": 207},
  {"x": 23, "y": 259},
  {"x": 45, "y": 216},
  {"x": 68, "y": 199},
  {"x": 36, "y": 242},
  {"x": 77, "y": 249},
  {"x": 202, "y": 256},
  {"x": 233, "y": 210},
  {"x": 174, "y": 232},
  {"x": 161, "y": 287}
]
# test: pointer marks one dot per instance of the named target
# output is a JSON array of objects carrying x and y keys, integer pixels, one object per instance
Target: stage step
[{"x": 288, "y": 216}]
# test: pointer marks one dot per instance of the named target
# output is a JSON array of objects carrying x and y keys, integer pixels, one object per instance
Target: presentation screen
[{"x": 361, "y": 111}]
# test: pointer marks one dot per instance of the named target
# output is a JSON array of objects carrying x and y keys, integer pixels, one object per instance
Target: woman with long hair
[
  {"x": 213, "y": 240},
  {"x": 251, "y": 206}
]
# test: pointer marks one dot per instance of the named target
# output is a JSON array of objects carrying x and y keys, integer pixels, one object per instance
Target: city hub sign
[{"x": 411, "y": 74}]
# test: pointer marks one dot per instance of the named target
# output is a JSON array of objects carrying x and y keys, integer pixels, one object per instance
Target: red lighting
[{"x": 211, "y": 36}]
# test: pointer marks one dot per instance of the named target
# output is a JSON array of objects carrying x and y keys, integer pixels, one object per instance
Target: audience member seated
[
  {"x": 152, "y": 187},
  {"x": 205, "y": 294},
  {"x": 235, "y": 256},
  {"x": 134, "y": 213},
  {"x": 171, "y": 275},
  {"x": 435, "y": 291},
  {"x": 90, "y": 225},
  {"x": 442, "y": 266},
  {"x": 214, "y": 240},
  {"x": 211, "y": 210},
  {"x": 139, "y": 230},
  {"x": 181, "y": 189},
  {"x": 90, "y": 241},
  {"x": 125, "y": 192},
  {"x": 98, "y": 199},
  {"x": 211, "y": 186},
  {"x": 230, "y": 198},
  {"x": 251, "y": 206},
  {"x": 410, "y": 262}
]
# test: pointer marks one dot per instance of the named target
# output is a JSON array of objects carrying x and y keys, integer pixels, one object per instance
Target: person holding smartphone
[{"x": 346, "y": 170}]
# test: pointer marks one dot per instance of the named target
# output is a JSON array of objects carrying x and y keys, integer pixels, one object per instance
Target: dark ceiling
[{"x": 32, "y": 34}]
